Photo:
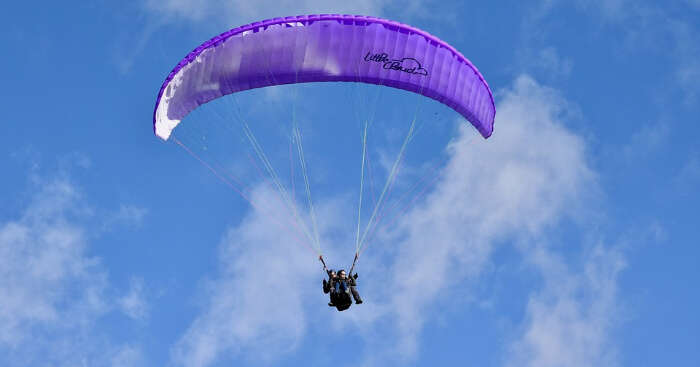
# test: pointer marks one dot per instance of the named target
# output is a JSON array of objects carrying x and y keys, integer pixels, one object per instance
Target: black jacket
[
  {"x": 328, "y": 285},
  {"x": 350, "y": 281}
]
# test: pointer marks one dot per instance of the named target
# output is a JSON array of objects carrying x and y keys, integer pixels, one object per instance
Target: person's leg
[{"x": 355, "y": 294}]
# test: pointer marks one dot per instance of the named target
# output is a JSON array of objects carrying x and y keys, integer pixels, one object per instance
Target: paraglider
[
  {"x": 323, "y": 48},
  {"x": 341, "y": 286}
]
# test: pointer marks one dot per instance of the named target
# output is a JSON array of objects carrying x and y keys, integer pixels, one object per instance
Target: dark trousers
[
  {"x": 355, "y": 294},
  {"x": 341, "y": 286}
]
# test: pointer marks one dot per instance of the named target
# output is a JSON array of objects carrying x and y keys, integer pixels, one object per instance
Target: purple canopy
[{"x": 324, "y": 48}]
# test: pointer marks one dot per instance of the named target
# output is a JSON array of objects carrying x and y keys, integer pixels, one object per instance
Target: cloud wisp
[
  {"x": 46, "y": 272},
  {"x": 256, "y": 304},
  {"x": 525, "y": 179},
  {"x": 53, "y": 291},
  {"x": 569, "y": 322},
  {"x": 642, "y": 26},
  {"x": 135, "y": 303}
]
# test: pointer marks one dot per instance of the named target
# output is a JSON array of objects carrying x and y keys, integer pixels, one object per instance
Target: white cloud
[
  {"x": 646, "y": 140},
  {"x": 686, "y": 52},
  {"x": 644, "y": 26},
  {"x": 614, "y": 10},
  {"x": 569, "y": 322},
  {"x": 529, "y": 175},
  {"x": 127, "y": 356},
  {"x": 126, "y": 215},
  {"x": 53, "y": 292},
  {"x": 550, "y": 61},
  {"x": 256, "y": 303},
  {"x": 545, "y": 61},
  {"x": 688, "y": 178},
  {"x": 133, "y": 43},
  {"x": 134, "y": 303},
  {"x": 46, "y": 277}
]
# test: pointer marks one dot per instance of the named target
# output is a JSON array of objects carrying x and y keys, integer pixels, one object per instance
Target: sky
[{"x": 568, "y": 238}]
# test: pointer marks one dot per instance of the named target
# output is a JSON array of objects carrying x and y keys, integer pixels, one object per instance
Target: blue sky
[{"x": 569, "y": 238}]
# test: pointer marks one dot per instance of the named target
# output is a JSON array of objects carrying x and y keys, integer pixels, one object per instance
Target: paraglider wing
[{"x": 324, "y": 48}]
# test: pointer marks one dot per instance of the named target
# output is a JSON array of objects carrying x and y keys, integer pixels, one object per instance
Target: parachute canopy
[{"x": 324, "y": 48}]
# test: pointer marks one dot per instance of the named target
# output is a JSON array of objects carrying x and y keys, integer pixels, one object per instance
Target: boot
[{"x": 356, "y": 295}]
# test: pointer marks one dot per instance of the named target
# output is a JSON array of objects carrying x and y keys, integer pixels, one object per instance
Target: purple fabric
[{"x": 324, "y": 48}]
